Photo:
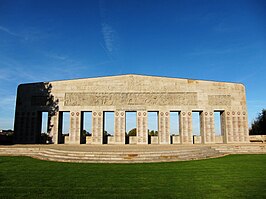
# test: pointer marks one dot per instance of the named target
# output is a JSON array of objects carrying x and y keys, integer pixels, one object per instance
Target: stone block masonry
[{"x": 127, "y": 93}]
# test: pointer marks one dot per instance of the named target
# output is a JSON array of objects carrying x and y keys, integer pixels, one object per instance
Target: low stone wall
[
  {"x": 133, "y": 139},
  {"x": 175, "y": 139},
  {"x": 154, "y": 140},
  {"x": 88, "y": 140},
  {"x": 197, "y": 139},
  {"x": 111, "y": 140},
  {"x": 66, "y": 139},
  {"x": 219, "y": 139},
  {"x": 257, "y": 138}
]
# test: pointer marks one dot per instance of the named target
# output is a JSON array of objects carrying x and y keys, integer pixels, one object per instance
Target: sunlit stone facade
[{"x": 139, "y": 93}]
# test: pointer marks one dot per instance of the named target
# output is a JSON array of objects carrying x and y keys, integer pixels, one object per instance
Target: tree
[
  {"x": 258, "y": 127},
  {"x": 151, "y": 133},
  {"x": 105, "y": 133},
  {"x": 132, "y": 132}
]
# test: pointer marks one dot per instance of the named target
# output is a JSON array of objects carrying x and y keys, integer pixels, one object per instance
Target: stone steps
[
  {"x": 241, "y": 149},
  {"x": 182, "y": 154},
  {"x": 129, "y": 154}
]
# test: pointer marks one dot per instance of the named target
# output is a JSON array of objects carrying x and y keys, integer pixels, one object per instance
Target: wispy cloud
[
  {"x": 232, "y": 49},
  {"x": 56, "y": 56},
  {"x": 7, "y": 109},
  {"x": 108, "y": 32},
  {"x": 210, "y": 52},
  {"x": 7, "y": 101},
  {"x": 27, "y": 34},
  {"x": 12, "y": 70},
  {"x": 6, "y": 30},
  {"x": 109, "y": 38},
  {"x": 248, "y": 77},
  {"x": 257, "y": 103}
]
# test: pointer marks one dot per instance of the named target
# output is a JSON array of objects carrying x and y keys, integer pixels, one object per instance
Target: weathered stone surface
[{"x": 132, "y": 93}]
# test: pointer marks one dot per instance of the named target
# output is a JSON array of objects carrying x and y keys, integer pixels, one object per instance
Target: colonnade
[{"x": 233, "y": 127}]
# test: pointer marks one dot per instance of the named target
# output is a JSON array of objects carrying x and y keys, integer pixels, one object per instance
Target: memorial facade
[{"x": 137, "y": 93}]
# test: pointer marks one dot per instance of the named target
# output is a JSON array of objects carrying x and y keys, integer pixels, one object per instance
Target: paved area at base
[
  {"x": 126, "y": 148},
  {"x": 129, "y": 153}
]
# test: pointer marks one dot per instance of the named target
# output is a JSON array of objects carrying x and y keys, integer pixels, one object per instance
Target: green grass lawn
[{"x": 235, "y": 176}]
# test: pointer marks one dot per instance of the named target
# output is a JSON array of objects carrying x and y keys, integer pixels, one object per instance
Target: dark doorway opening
[
  {"x": 86, "y": 127},
  {"x": 196, "y": 127},
  {"x": 153, "y": 123},
  {"x": 64, "y": 126},
  {"x": 174, "y": 127},
  {"x": 108, "y": 127},
  {"x": 219, "y": 126},
  {"x": 131, "y": 127}
]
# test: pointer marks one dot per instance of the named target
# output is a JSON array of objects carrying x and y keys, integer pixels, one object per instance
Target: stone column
[
  {"x": 229, "y": 128},
  {"x": 74, "y": 130},
  {"x": 235, "y": 127},
  {"x": 120, "y": 130},
  {"x": 142, "y": 130},
  {"x": 54, "y": 127},
  {"x": 212, "y": 127},
  {"x": 189, "y": 124},
  {"x": 223, "y": 127},
  {"x": 185, "y": 128},
  {"x": 164, "y": 127},
  {"x": 240, "y": 127},
  {"x": 97, "y": 127},
  {"x": 245, "y": 127},
  {"x": 243, "y": 134},
  {"x": 202, "y": 128},
  {"x": 208, "y": 127}
]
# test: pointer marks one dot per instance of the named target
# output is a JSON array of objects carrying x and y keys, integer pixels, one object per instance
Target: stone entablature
[
  {"x": 133, "y": 93},
  {"x": 130, "y": 98}
]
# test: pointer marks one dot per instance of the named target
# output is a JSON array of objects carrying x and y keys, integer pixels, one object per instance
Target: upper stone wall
[{"x": 148, "y": 92}]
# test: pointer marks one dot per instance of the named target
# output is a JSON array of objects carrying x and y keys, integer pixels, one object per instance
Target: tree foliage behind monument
[
  {"x": 258, "y": 127},
  {"x": 132, "y": 132}
]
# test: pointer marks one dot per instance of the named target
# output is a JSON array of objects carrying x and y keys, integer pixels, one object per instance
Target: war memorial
[{"x": 132, "y": 93}]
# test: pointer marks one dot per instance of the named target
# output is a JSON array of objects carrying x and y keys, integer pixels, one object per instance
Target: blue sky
[{"x": 221, "y": 40}]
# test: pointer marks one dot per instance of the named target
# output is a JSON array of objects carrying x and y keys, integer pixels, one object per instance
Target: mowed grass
[{"x": 234, "y": 176}]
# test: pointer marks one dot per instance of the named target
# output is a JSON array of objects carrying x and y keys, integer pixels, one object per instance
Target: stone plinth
[
  {"x": 111, "y": 140},
  {"x": 66, "y": 139},
  {"x": 176, "y": 139},
  {"x": 133, "y": 139},
  {"x": 218, "y": 139},
  {"x": 154, "y": 140},
  {"x": 197, "y": 139},
  {"x": 88, "y": 140}
]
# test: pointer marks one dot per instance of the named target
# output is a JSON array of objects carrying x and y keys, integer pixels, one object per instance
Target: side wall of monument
[{"x": 142, "y": 94}]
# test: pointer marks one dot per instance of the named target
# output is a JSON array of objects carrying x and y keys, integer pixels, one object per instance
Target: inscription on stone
[
  {"x": 132, "y": 98},
  {"x": 219, "y": 100}
]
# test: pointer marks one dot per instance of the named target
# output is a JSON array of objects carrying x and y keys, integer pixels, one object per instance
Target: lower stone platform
[{"x": 129, "y": 153}]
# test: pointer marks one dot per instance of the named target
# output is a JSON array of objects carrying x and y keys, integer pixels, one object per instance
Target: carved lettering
[
  {"x": 133, "y": 98},
  {"x": 216, "y": 100}
]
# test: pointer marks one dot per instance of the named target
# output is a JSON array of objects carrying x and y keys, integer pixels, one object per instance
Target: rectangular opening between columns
[
  {"x": 219, "y": 126},
  {"x": 40, "y": 134},
  {"x": 63, "y": 127},
  {"x": 86, "y": 127},
  {"x": 153, "y": 123},
  {"x": 108, "y": 127},
  {"x": 197, "y": 132},
  {"x": 175, "y": 127},
  {"x": 131, "y": 127}
]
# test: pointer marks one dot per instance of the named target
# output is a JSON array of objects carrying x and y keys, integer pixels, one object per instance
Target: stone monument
[{"x": 120, "y": 94}]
